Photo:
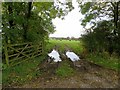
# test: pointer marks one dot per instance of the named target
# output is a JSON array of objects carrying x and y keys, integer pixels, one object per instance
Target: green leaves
[
  {"x": 95, "y": 10},
  {"x": 85, "y": 8},
  {"x": 21, "y": 22},
  {"x": 18, "y": 16},
  {"x": 87, "y": 19},
  {"x": 53, "y": 13},
  {"x": 105, "y": 33},
  {"x": 97, "y": 40}
]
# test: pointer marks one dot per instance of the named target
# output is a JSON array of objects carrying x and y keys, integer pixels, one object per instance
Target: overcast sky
[{"x": 70, "y": 26}]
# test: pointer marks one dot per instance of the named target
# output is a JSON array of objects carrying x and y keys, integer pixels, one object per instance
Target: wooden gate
[{"x": 17, "y": 53}]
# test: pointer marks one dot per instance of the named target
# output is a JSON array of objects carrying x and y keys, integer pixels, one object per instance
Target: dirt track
[{"x": 87, "y": 76}]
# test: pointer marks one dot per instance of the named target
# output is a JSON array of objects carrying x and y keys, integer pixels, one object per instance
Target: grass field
[{"x": 76, "y": 46}]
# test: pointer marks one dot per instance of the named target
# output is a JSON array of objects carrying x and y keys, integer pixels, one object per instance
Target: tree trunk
[
  {"x": 10, "y": 13},
  {"x": 28, "y": 14},
  {"x": 11, "y": 23},
  {"x": 115, "y": 11}
]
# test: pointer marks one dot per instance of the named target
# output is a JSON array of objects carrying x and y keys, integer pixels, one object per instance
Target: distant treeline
[{"x": 63, "y": 38}]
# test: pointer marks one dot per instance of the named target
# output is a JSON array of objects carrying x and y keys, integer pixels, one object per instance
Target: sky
[{"x": 70, "y": 26}]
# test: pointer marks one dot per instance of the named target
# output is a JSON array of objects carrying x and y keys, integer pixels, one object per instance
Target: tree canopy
[
  {"x": 105, "y": 20},
  {"x": 30, "y": 21}
]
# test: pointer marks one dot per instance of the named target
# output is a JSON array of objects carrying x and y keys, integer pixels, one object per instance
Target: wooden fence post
[{"x": 6, "y": 54}]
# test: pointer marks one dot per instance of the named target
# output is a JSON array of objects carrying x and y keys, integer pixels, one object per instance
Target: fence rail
[{"x": 17, "y": 53}]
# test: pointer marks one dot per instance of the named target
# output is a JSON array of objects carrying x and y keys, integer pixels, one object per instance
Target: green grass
[
  {"x": 65, "y": 70},
  {"x": 26, "y": 71},
  {"x": 105, "y": 61},
  {"x": 76, "y": 46},
  {"x": 21, "y": 73}
]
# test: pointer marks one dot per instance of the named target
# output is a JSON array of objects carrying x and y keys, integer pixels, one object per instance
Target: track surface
[{"x": 88, "y": 75}]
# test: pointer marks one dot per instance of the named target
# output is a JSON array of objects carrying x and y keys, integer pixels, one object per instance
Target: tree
[
  {"x": 30, "y": 21},
  {"x": 94, "y": 13},
  {"x": 27, "y": 16}
]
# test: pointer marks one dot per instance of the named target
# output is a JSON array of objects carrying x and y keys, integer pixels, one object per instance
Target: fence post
[{"x": 6, "y": 54}]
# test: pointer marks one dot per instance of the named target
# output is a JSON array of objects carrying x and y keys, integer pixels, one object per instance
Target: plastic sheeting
[
  {"x": 73, "y": 57},
  {"x": 55, "y": 55}
]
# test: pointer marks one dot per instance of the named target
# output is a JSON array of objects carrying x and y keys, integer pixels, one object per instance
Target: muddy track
[{"x": 88, "y": 75}]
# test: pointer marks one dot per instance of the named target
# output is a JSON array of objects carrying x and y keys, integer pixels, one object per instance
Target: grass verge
[{"x": 105, "y": 61}]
